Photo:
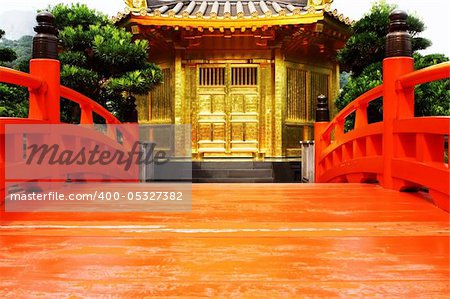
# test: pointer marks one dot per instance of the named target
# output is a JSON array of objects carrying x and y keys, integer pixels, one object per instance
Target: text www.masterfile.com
[{"x": 99, "y": 196}]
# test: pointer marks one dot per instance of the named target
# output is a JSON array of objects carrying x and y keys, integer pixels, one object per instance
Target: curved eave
[
  {"x": 343, "y": 26},
  {"x": 206, "y": 22}
]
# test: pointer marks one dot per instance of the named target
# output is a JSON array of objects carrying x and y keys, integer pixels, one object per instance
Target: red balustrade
[
  {"x": 402, "y": 152},
  {"x": 45, "y": 93}
]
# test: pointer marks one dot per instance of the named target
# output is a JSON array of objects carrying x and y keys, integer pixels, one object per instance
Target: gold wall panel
[
  {"x": 143, "y": 107},
  {"x": 218, "y": 131},
  {"x": 237, "y": 131},
  {"x": 161, "y": 100},
  {"x": 303, "y": 84},
  {"x": 296, "y": 107},
  {"x": 251, "y": 131}
]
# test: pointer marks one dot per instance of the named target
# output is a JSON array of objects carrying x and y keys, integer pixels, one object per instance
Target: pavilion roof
[{"x": 229, "y": 12}]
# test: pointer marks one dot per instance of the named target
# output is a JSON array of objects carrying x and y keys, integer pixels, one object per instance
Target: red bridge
[{"x": 353, "y": 233}]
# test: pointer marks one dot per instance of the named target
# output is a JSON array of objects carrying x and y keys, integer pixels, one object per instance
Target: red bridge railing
[
  {"x": 402, "y": 152},
  {"x": 45, "y": 93}
]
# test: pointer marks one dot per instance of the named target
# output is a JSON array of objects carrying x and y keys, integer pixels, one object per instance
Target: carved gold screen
[
  {"x": 296, "y": 122},
  {"x": 296, "y": 95},
  {"x": 227, "y": 110},
  {"x": 302, "y": 88},
  {"x": 161, "y": 106}
]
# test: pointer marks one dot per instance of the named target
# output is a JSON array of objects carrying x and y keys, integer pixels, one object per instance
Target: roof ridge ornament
[
  {"x": 319, "y": 4},
  {"x": 136, "y": 6}
]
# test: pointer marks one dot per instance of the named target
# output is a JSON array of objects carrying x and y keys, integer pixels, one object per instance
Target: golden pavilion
[{"x": 244, "y": 73}]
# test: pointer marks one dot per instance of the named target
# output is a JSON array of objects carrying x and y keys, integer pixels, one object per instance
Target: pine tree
[
  {"x": 12, "y": 98},
  {"x": 101, "y": 60},
  {"x": 367, "y": 45},
  {"x": 363, "y": 56}
]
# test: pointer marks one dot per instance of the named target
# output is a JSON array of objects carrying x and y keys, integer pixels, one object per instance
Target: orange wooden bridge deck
[
  {"x": 241, "y": 241},
  {"x": 248, "y": 241}
]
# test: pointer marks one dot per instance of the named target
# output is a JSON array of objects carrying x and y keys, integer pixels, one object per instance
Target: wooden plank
[{"x": 272, "y": 241}]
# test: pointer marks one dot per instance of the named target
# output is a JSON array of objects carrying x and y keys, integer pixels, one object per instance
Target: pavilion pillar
[
  {"x": 336, "y": 87},
  {"x": 279, "y": 102},
  {"x": 180, "y": 113},
  {"x": 266, "y": 108}
]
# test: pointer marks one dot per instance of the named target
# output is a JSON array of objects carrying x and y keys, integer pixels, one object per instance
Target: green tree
[
  {"x": 12, "y": 102},
  {"x": 101, "y": 60},
  {"x": 430, "y": 99},
  {"x": 6, "y": 54},
  {"x": 367, "y": 45},
  {"x": 22, "y": 47},
  {"x": 363, "y": 56}
]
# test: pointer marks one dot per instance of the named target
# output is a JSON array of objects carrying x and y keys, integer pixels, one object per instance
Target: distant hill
[
  {"x": 23, "y": 49},
  {"x": 17, "y": 23}
]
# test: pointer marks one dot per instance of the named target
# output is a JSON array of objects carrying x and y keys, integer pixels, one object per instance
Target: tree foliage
[
  {"x": 11, "y": 97},
  {"x": 430, "y": 99},
  {"x": 6, "y": 54},
  {"x": 363, "y": 56},
  {"x": 22, "y": 48},
  {"x": 97, "y": 59},
  {"x": 367, "y": 45},
  {"x": 101, "y": 60},
  {"x": 12, "y": 101}
]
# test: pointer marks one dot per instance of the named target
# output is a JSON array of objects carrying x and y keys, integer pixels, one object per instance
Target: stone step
[
  {"x": 232, "y": 173},
  {"x": 233, "y": 180},
  {"x": 231, "y": 165}
]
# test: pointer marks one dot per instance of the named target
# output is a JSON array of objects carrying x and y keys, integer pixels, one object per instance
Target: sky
[{"x": 435, "y": 14}]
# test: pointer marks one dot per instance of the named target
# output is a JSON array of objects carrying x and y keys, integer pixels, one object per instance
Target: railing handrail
[
  {"x": 35, "y": 83},
  {"x": 18, "y": 120},
  {"x": 360, "y": 102},
  {"x": 422, "y": 76},
  {"x": 11, "y": 76},
  {"x": 425, "y": 75},
  {"x": 85, "y": 102}
]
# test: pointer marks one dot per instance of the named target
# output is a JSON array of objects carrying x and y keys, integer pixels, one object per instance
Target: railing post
[
  {"x": 45, "y": 104},
  {"x": 322, "y": 121},
  {"x": 87, "y": 117},
  {"x": 397, "y": 102}
]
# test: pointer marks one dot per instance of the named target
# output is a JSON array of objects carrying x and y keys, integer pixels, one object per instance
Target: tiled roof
[
  {"x": 226, "y": 9},
  {"x": 230, "y": 9}
]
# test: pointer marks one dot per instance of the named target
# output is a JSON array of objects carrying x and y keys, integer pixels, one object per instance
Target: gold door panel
[
  {"x": 228, "y": 110},
  {"x": 244, "y": 121},
  {"x": 211, "y": 119}
]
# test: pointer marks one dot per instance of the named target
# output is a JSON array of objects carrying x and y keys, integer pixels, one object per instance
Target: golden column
[{"x": 279, "y": 102}]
